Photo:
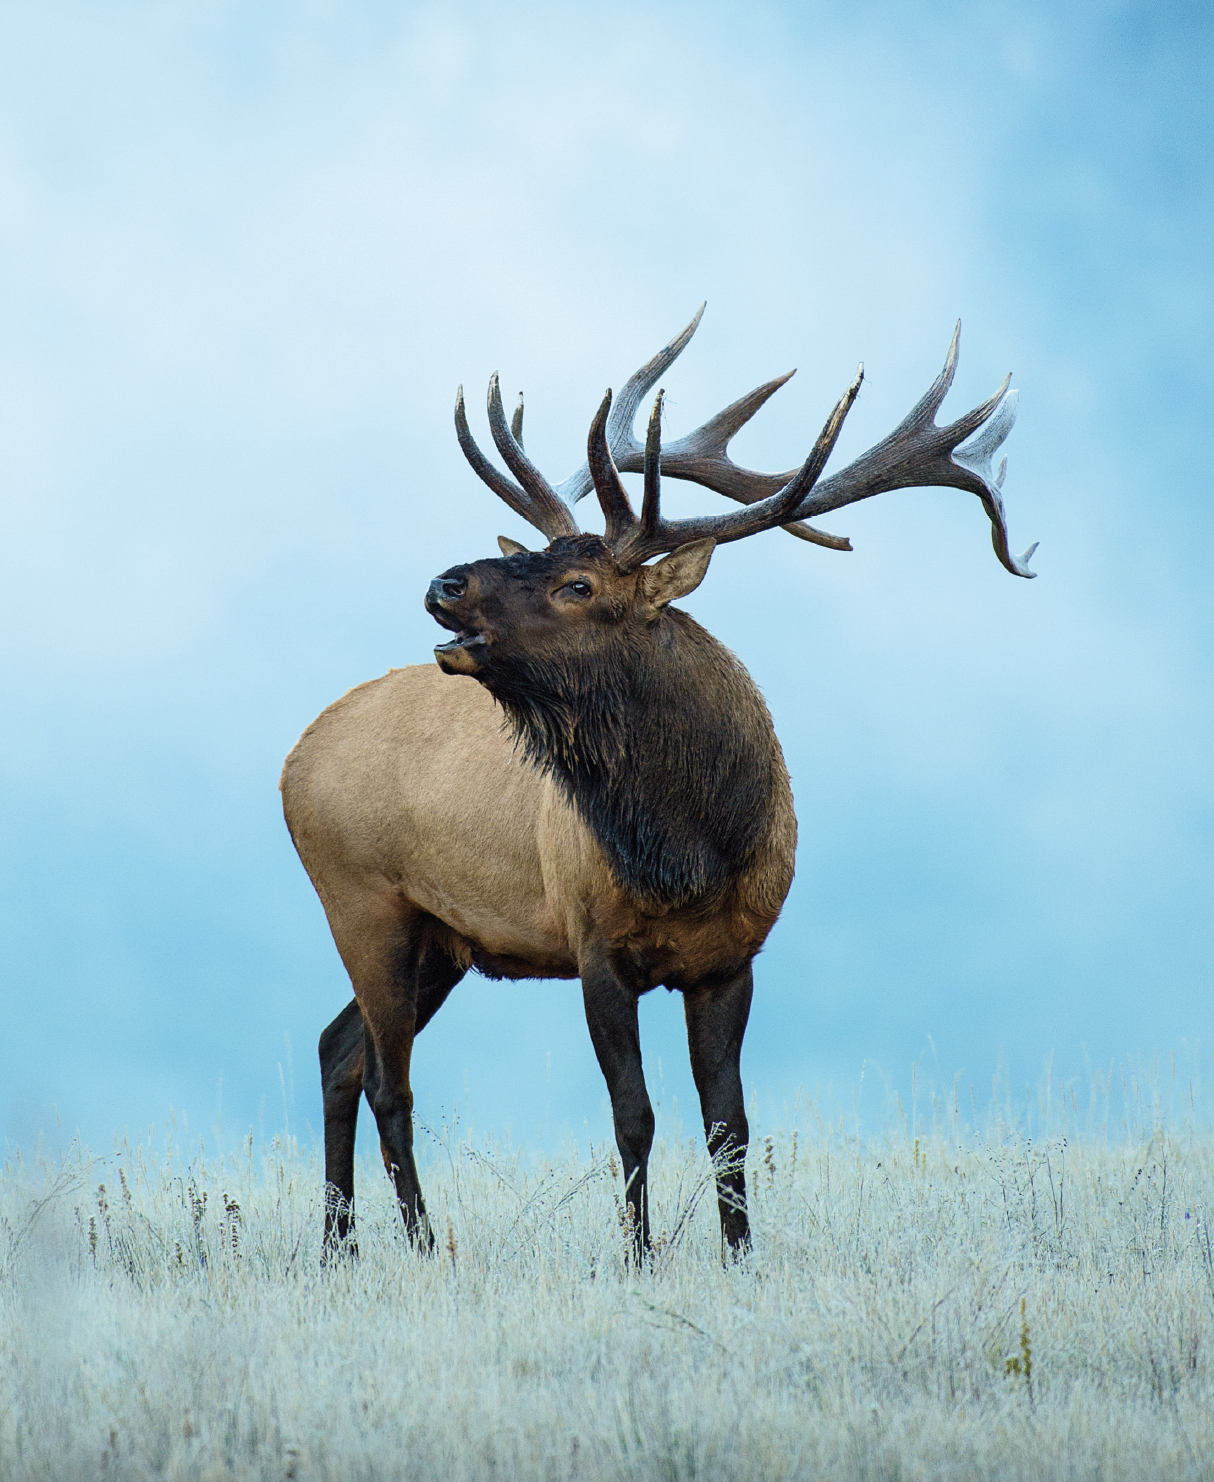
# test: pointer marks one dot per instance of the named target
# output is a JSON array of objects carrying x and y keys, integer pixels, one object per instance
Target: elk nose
[{"x": 447, "y": 588}]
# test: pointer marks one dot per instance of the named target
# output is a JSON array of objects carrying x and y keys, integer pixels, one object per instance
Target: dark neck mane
[{"x": 666, "y": 750}]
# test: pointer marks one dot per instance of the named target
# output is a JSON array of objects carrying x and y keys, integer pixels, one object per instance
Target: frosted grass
[{"x": 948, "y": 1306}]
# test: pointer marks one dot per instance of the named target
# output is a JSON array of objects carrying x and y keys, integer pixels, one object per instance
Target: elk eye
[{"x": 580, "y": 588}]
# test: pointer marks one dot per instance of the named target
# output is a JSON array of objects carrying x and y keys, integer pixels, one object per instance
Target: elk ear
[
  {"x": 510, "y": 547},
  {"x": 676, "y": 574}
]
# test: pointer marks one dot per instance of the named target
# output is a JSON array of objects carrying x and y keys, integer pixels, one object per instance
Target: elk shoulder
[{"x": 410, "y": 793}]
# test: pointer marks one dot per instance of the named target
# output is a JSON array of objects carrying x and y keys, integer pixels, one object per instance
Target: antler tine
[
  {"x": 515, "y": 497},
  {"x": 549, "y": 513},
  {"x": 919, "y": 454},
  {"x": 516, "y": 422},
  {"x": 620, "y": 439},
  {"x": 651, "y": 513},
  {"x": 702, "y": 452},
  {"x": 975, "y": 456},
  {"x": 612, "y": 497},
  {"x": 663, "y": 535},
  {"x": 642, "y": 381},
  {"x": 803, "y": 530},
  {"x": 701, "y": 457},
  {"x": 923, "y": 413}
]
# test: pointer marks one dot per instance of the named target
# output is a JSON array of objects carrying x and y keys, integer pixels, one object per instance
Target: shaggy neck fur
[{"x": 664, "y": 746}]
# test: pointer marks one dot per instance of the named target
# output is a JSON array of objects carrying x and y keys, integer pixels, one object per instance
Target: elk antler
[
  {"x": 917, "y": 453},
  {"x": 536, "y": 501},
  {"x": 701, "y": 456},
  {"x": 633, "y": 541}
]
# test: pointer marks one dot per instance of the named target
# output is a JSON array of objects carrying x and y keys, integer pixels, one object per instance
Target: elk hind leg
[
  {"x": 611, "y": 1014},
  {"x": 716, "y": 1021},
  {"x": 341, "y": 1083},
  {"x": 415, "y": 974}
]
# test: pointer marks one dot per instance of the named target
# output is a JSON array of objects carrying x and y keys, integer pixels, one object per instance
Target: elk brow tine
[
  {"x": 612, "y": 497},
  {"x": 508, "y": 446},
  {"x": 547, "y": 507},
  {"x": 515, "y": 497}
]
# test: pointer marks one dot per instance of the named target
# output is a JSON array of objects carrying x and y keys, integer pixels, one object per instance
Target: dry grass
[{"x": 947, "y": 1306}]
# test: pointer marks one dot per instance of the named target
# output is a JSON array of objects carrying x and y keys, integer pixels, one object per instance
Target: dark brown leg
[
  {"x": 402, "y": 974},
  {"x": 388, "y": 1049},
  {"x": 341, "y": 1083},
  {"x": 395, "y": 1009},
  {"x": 611, "y": 1013},
  {"x": 716, "y": 1022}
]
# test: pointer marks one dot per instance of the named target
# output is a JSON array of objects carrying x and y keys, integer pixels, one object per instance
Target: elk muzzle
[{"x": 444, "y": 599}]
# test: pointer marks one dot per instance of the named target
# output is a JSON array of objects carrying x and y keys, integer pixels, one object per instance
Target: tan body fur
[{"x": 409, "y": 796}]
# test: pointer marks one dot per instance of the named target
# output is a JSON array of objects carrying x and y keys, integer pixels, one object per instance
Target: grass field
[{"x": 954, "y": 1305}]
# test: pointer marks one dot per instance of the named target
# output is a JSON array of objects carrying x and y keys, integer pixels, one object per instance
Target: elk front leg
[
  {"x": 611, "y": 1014},
  {"x": 716, "y": 1022},
  {"x": 341, "y": 1083}
]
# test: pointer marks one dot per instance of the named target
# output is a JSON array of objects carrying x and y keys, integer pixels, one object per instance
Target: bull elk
[{"x": 629, "y": 822}]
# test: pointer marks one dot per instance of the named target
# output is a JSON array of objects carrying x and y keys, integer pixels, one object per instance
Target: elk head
[
  {"x": 569, "y": 603},
  {"x": 515, "y": 616}
]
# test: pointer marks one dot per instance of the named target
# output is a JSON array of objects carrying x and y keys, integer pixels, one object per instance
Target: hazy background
[{"x": 248, "y": 254}]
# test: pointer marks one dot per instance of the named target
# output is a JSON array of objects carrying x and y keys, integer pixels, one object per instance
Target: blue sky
[{"x": 248, "y": 254}]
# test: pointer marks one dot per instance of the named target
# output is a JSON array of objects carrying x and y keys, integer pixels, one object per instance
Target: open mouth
[
  {"x": 444, "y": 594},
  {"x": 465, "y": 638}
]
